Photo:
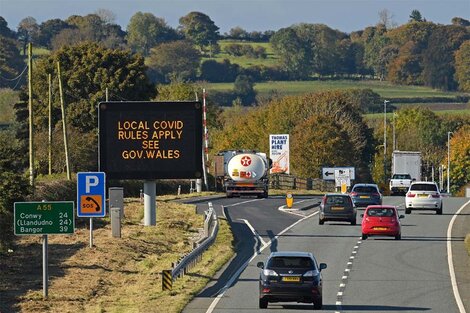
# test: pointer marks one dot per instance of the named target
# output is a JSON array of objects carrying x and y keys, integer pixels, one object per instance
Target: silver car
[{"x": 423, "y": 196}]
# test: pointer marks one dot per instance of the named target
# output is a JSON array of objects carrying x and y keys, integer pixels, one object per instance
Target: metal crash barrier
[{"x": 188, "y": 261}]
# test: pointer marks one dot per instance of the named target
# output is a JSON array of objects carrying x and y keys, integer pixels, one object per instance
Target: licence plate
[
  {"x": 364, "y": 197},
  {"x": 291, "y": 279},
  {"x": 423, "y": 196},
  {"x": 337, "y": 208},
  {"x": 380, "y": 228}
]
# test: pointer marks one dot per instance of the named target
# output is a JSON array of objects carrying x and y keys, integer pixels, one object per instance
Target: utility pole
[
  {"x": 385, "y": 141},
  {"x": 30, "y": 109},
  {"x": 50, "y": 124},
  {"x": 394, "y": 139},
  {"x": 448, "y": 161},
  {"x": 64, "y": 124}
]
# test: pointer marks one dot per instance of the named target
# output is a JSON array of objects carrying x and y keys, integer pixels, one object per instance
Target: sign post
[
  {"x": 43, "y": 218},
  {"x": 91, "y": 197}
]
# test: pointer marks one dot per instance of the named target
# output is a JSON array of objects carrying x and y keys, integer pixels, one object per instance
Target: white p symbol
[{"x": 91, "y": 181}]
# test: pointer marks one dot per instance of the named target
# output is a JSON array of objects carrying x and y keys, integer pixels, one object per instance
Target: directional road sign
[
  {"x": 91, "y": 194},
  {"x": 44, "y": 218},
  {"x": 328, "y": 173}
]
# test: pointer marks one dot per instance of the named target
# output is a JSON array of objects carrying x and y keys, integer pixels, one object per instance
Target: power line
[{"x": 17, "y": 77}]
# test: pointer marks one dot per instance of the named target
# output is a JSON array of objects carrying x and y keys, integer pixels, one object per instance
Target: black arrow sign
[{"x": 328, "y": 173}]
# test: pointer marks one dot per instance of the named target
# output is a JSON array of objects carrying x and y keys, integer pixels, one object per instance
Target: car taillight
[
  {"x": 410, "y": 195},
  {"x": 266, "y": 290},
  {"x": 353, "y": 194},
  {"x": 436, "y": 196}
]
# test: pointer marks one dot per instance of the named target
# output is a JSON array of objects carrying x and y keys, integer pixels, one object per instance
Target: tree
[
  {"x": 13, "y": 185},
  {"x": 28, "y": 30},
  {"x": 462, "y": 66},
  {"x": 145, "y": 31},
  {"x": 315, "y": 144},
  {"x": 460, "y": 159},
  {"x": 5, "y": 31},
  {"x": 199, "y": 28},
  {"x": 416, "y": 16},
  {"x": 458, "y": 21},
  {"x": 11, "y": 63},
  {"x": 238, "y": 33},
  {"x": 438, "y": 59},
  {"x": 386, "y": 19},
  {"x": 174, "y": 60},
  {"x": 243, "y": 89},
  {"x": 177, "y": 91},
  {"x": 87, "y": 70},
  {"x": 293, "y": 54},
  {"x": 218, "y": 72},
  {"x": 107, "y": 16},
  {"x": 49, "y": 29}
]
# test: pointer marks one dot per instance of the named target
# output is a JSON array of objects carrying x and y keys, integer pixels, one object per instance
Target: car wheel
[
  {"x": 439, "y": 211},
  {"x": 353, "y": 222},
  {"x": 407, "y": 211},
  {"x": 318, "y": 304},
  {"x": 398, "y": 237},
  {"x": 321, "y": 222},
  {"x": 364, "y": 236},
  {"x": 263, "y": 303}
]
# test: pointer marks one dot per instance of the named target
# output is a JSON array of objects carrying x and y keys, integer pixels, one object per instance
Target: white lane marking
[
  {"x": 349, "y": 263},
  {"x": 255, "y": 233},
  {"x": 291, "y": 211},
  {"x": 338, "y": 302},
  {"x": 243, "y": 202},
  {"x": 359, "y": 242},
  {"x": 342, "y": 285},
  {"x": 351, "y": 257},
  {"x": 344, "y": 277},
  {"x": 240, "y": 270},
  {"x": 340, "y": 294},
  {"x": 451, "y": 261},
  {"x": 355, "y": 247},
  {"x": 347, "y": 270},
  {"x": 223, "y": 212},
  {"x": 354, "y": 252}
]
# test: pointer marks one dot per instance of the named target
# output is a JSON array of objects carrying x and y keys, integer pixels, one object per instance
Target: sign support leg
[
  {"x": 45, "y": 273},
  {"x": 150, "y": 203},
  {"x": 91, "y": 232}
]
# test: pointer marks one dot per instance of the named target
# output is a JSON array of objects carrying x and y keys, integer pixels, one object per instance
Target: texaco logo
[{"x": 245, "y": 161}]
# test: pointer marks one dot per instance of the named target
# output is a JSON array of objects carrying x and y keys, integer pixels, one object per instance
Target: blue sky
[{"x": 259, "y": 15}]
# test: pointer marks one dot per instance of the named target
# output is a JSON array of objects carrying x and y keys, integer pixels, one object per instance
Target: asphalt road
[{"x": 375, "y": 275}]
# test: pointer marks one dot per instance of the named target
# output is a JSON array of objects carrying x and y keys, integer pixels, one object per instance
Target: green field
[
  {"x": 271, "y": 60},
  {"x": 384, "y": 89}
]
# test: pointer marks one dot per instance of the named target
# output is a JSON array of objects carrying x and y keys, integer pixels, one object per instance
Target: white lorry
[
  {"x": 406, "y": 168},
  {"x": 245, "y": 172}
]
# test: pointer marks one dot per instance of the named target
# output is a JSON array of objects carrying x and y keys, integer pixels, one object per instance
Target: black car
[
  {"x": 366, "y": 194},
  {"x": 291, "y": 277},
  {"x": 337, "y": 207}
]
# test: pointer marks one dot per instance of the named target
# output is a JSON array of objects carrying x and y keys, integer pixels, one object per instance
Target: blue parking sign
[{"x": 91, "y": 194}]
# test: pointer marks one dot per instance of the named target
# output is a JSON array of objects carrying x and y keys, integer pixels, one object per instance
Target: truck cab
[{"x": 400, "y": 183}]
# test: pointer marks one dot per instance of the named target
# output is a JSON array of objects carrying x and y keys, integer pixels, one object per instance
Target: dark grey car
[
  {"x": 337, "y": 207},
  {"x": 366, "y": 194},
  {"x": 289, "y": 276}
]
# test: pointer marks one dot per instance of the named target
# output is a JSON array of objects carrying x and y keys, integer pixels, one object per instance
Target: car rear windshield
[
  {"x": 290, "y": 262},
  {"x": 401, "y": 176},
  {"x": 339, "y": 200},
  {"x": 423, "y": 187},
  {"x": 381, "y": 212},
  {"x": 365, "y": 189}
]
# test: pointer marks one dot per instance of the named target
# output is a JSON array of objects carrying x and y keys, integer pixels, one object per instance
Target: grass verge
[{"x": 117, "y": 275}]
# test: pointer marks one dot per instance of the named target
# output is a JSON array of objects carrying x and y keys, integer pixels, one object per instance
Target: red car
[{"x": 381, "y": 220}]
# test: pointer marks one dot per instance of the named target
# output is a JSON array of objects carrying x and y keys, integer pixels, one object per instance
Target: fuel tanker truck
[{"x": 245, "y": 172}]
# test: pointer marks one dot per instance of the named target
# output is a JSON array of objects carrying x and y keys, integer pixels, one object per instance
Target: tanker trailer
[{"x": 247, "y": 174}]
